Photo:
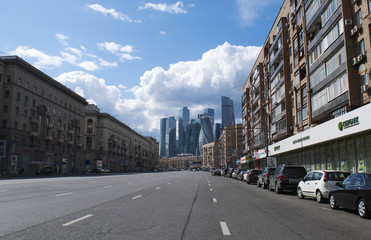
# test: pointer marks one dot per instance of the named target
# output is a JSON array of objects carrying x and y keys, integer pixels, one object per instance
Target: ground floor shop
[{"x": 343, "y": 143}]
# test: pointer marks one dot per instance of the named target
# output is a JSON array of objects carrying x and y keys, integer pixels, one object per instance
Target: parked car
[
  {"x": 230, "y": 172},
  {"x": 286, "y": 178},
  {"x": 353, "y": 193},
  {"x": 240, "y": 175},
  {"x": 319, "y": 183},
  {"x": 45, "y": 171},
  {"x": 216, "y": 172},
  {"x": 235, "y": 173},
  {"x": 251, "y": 176},
  {"x": 263, "y": 177}
]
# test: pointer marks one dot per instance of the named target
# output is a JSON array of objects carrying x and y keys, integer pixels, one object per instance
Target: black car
[
  {"x": 252, "y": 175},
  {"x": 353, "y": 193},
  {"x": 45, "y": 171},
  {"x": 263, "y": 177},
  {"x": 286, "y": 178}
]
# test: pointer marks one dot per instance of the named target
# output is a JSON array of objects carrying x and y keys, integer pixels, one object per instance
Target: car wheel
[
  {"x": 300, "y": 194},
  {"x": 278, "y": 190},
  {"x": 319, "y": 196},
  {"x": 333, "y": 202},
  {"x": 362, "y": 209}
]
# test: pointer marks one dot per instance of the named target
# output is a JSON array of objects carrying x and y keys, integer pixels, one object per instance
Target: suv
[
  {"x": 319, "y": 183},
  {"x": 251, "y": 176},
  {"x": 286, "y": 178},
  {"x": 263, "y": 177}
]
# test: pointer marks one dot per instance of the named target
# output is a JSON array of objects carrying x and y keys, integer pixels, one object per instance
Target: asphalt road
[{"x": 166, "y": 206}]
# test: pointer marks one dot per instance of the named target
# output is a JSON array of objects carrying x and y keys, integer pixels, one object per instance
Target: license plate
[{"x": 294, "y": 181}]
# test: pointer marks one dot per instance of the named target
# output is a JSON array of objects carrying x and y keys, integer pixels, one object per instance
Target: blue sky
[{"x": 141, "y": 61}]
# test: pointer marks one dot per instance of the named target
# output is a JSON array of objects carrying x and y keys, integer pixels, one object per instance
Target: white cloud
[
  {"x": 89, "y": 65},
  {"x": 122, "y": 51},
  {"x": 249, "y": 10},
  {"x": 62, "y": 39},
  {"x": 161, "y": 93},
  {"x": 117, "y": 15},
  {"x": 163, "y": 7},
  {"x": 43, "y": 60},
  {"x": 105, "y": 63}
]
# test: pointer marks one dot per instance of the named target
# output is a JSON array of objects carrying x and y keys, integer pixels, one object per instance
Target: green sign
[
  {"x": 348, "y": 123},
  {"x": 277, "y": 148}
]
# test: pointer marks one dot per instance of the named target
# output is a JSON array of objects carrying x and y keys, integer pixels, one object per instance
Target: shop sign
[
  {"x": 277, "y": 148},
  {"x": 301, "y": 140},
  {"x": 348, "y": 123},
  {"x": 361, "y": 166},
  {"x": 2, "y": 148}
]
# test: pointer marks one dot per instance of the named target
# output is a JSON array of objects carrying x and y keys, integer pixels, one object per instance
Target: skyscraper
[
  {"x": 227, "y": 112},
  {"x": 192, "y": 136},
  {"x": 210, "y": 112},
  {"x": 217, "y": 131},
  {"x": 182, "y": 126},
  {"x": 163, "y": 137},
  {"x": 206, "y": 132},
  {"x": 171, "y": 137}
]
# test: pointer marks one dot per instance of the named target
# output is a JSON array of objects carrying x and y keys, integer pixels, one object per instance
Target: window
[
  {"x": 5, "y": 109},
  {"x": 18, "y": 96},
  {"x": 312, "y": 10},
  {"x": 4, "y": 124},
  {"x": 34, "y": 89},
  {"x": 33, "y": 103},
  {"x": 329, "y": 11},
  {"x": 299, "y": 15},
  {"x": 8, "y": 79},
  {"x": 19, "y": 81},
  {"x": 27, "y": 85},
  {"x": 357, "y": 20},
  {"x": 7, "y": 94}
]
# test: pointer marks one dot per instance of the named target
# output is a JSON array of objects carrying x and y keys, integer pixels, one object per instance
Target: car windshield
[{"x": 337, "y": 176}]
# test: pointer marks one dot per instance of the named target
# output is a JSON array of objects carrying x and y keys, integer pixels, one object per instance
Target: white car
[{"x": 317, "y": 184}]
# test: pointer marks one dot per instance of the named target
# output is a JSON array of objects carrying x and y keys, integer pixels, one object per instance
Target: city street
[{"x": 166, "y": 206}]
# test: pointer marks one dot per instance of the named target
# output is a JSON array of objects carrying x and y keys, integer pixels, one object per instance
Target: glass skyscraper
[
  {"x": 227, "y": 112},
  {"x": 182, "y": 126},
  {"x": 163, "y": 137},
  {"x": 206, "y": 132},
  {"x": 192, "y": 136}
]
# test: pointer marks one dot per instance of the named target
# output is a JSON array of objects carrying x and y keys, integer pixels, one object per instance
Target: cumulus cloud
[
  {"x": 62, "y": 39},
  {"x": 163, "y": 7},
  {"x": 43, "y": 60},
  {"x": 75, "y": 56},
  {"x": 117, "y": 15},
  {"x": 162, "y": 92},
  {"x": 249, "y": 10},
  {"x": 122, "y": 51}
]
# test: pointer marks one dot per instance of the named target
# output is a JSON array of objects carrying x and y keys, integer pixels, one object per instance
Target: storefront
[{"x": 343, "y": 143}]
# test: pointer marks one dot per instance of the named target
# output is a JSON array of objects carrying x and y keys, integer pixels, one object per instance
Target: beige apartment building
[
  {"x": 110, "y": 144},
  {"x": 210, "y": 154},
  {"x": 230, "y": 146},
  {"x": 307, "y": 96},
  {"x": 41, "y": 121}
]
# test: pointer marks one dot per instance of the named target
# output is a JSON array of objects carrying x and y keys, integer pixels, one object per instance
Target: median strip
[{"x": 77, "y": 220}]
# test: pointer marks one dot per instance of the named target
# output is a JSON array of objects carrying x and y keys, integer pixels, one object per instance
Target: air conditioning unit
[
  {"x": 301, "y": 53},
  {"x": 290, "y": 92},
  {"x": 354, "y": 61},
  {"x": 311, "y": 35},
  {"x": 353, "y": 31},
  {"x": 360, "y": 58},
  {"x": 364, "y": 88},
  {"x": 348, "y": 22},
  {"x": 294, "y": 26}
]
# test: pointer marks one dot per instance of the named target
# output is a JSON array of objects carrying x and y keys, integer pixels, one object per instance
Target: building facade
[
  {"x": 110, "y": 144},
  {"x": 42, "y": 121},
  {"x": 230, "y": 146},
  {"x": 210, "y": 153},
  {"x": 313, "y": 70}
]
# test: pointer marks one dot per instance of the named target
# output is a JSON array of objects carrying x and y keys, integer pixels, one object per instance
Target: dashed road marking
[
  {"x": 211, "y": 189},
  {"x": 169, "y": 183},
  {"x": 209, "y": 185},
  {"x": 158, "y": 188},
  {"x": 107, "y": 186},
  {"x": 77, "y": 220},
  {"x": 136, "y": 197},
  {"x": 3, "y": 190},
  {"x": 225, "y": 229},
  {"x": 130, "y": 182},
  {"x": 63, "y": 194},
  {"x": 214, "y": 200}
]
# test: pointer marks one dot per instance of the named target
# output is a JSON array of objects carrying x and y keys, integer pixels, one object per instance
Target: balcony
[
  {"x": 49, "y": 126},
  {"x": 34, "y": 134},
  {"x": 60, "y": 129},
  {"x": 48, "y": 138},
  {"x": 60, "y": 140},
  {"x": 34, "y": 121},
  {"x": 70, "y": 143},
  {"x": 70, "y": 132}
]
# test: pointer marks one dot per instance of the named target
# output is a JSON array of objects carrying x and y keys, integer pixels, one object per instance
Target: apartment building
[
  {"x": 111, "y": 144},
  {"x": 230, "y": 146},
  {"x": 42, "y": 121},
  {"x": 210, "y": 153},
  {"x": 310, "y": 80}
]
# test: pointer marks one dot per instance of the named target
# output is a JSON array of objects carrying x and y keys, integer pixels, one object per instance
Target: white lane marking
[
  {"x": 211, "y": 189},
  {"x": 130, "y": 182},
  {"x": 325, "y": 208},
  {"x": 209, "y": 185},
  {"x": 63, "y": 194},
  {"x": 158, "y": 188},
  {"x": 3, "y": 190},
  {"x": 107, "y": 186},
  {"x": 136, "y": 197},
  {"x": 214, "y": 200},
  {"x": 57, "y": 185},
  {"x": 169, "y": 183},
  {"x": 225, "y": 229},
  {"x": 77, "y": 220}
]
